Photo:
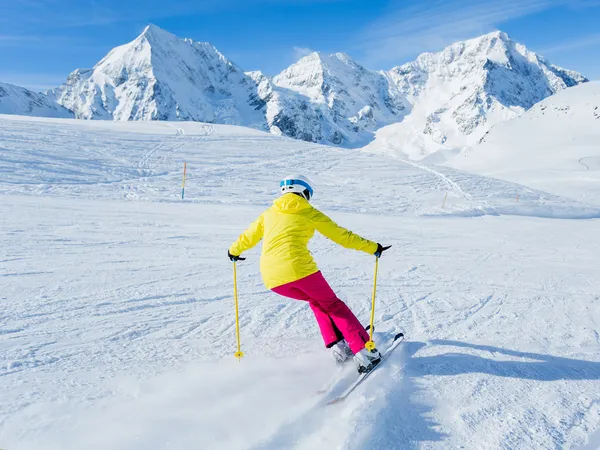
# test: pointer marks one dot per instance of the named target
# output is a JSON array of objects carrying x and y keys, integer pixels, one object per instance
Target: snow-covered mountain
[
  {"x": 459, "y": 93},
  {"x": 18, "y": 100},
  {"x": 553, "y": 146},
  {"x": 345, "y": 101},
  {"x": 158, "y": 76},
  {"x": 444, "y": 100}
]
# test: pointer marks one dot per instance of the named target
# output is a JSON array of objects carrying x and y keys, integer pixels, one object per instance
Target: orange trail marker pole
[{"x": 183, "y": 183}]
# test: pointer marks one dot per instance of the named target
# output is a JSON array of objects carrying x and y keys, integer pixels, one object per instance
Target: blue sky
[{"x": 42, "y": 41}]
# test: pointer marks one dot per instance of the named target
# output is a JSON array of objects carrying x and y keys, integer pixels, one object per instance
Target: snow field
[
  {"x": 144, "y": 161},
  {"x": 117, "y": 326},
  {"x": 553, "y": 146}
]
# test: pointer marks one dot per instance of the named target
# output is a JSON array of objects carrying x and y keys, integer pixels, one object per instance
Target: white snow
[
  {"x": 18, "y": 100},
  {"x": 555, "y": 146},
  {"x": 461, "y": 92},
  {"x": 348, "y": 100},
  {"x": 158, "y": 76},
  {"x": 117, "y": 325}
]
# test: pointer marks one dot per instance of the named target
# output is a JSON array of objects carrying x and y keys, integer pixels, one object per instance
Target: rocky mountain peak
[
  {"x": 159, "y": 76},
  {"x": 156, "y": 34}
]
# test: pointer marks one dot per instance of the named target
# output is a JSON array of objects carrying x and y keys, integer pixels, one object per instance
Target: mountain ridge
[
  {"x": 440, "y": 101},
  {"x": 19, "y": 100},
  {"x": 460, "y": 93},
  {"x": 159, "y": 76}
]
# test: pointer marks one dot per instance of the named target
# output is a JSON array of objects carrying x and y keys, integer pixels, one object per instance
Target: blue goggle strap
[{"x": 300, "y": 182}]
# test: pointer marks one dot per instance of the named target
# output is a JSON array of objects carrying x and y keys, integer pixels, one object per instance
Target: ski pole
[
  {"x": 371, "y": 345},
  {"x": 239, "y": 352}
]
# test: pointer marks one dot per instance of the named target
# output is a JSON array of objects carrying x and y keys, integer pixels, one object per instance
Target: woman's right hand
[
  {"x": 234, "y": 258},
  {"x": 380, "y": 249}
]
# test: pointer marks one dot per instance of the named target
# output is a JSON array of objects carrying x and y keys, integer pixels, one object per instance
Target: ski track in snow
[
  {"x": 451, "y": 184},
  {"x": 117, "y": 327}
]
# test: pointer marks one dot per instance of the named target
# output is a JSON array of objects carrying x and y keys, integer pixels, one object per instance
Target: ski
[
  {"x": 332, "y": 383},
  {"x": 362, "y": 377}
]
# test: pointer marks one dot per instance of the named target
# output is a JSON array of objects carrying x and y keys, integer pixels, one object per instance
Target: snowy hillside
[
  {"x": 161, "y": 77},
  {"x": 555, "y": 146},
  {"x": 442, "y": 100},
  {"x": 459, "y": 93},
  {"x": 117, "y": 325},
  {"x": 18, "y": 100}
]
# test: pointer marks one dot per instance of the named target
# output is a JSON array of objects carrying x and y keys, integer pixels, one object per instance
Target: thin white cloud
[
  {"x": 427, "y": 26},
  {"x": 37, "y": 82},
  {"x": 17, "y": 39},
  {"x": 582, "y": 4},
  {"x": 74, "y": 14},
  {"x": 574, "y": 44},
  {"x": 301, "y": 52},
  {"x": 50, "y": 42}
]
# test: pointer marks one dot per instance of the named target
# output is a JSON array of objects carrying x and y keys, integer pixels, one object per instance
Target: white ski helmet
[{"x": 298, "y": 184}]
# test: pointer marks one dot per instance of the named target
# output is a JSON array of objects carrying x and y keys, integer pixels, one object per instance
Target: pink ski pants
[{"x": 335, "y": 319}]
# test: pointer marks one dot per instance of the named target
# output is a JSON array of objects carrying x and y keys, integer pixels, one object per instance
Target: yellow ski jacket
[{"x": 286, "y": 228}]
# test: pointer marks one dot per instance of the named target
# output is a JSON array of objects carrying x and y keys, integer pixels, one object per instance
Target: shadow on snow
[
  {"x": 405, "y": 418},
  {"x": 542, "y": 368},
  {"x": 406, "y": 421}
]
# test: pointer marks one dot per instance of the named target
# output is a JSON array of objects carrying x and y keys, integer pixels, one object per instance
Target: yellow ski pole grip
[
  {"x": 370, "y": 345},
  {"x": 239, "y": 352}
]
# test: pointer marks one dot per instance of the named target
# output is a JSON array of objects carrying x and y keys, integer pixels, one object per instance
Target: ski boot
[
  {"x": 367, "y": 359},
  {"x": 341, "y": 352}
]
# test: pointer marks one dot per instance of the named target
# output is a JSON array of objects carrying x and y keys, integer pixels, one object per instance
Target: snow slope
[
  {"x": 554, "y": 146},
  {"x": 461, "y": 92},
  {"x": 117, "y": 330},
  {"x": 18, "y": 100}
]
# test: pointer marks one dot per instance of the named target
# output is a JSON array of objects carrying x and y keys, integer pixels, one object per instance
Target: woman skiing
[{"x": 288, "y": 268}]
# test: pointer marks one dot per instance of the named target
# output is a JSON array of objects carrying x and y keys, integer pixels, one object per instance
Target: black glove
[
  {"x": 380, "y": 250},
  {"x": 234, "y": 258}
]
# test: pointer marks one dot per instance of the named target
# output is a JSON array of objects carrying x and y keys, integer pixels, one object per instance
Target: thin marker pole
[{"x": 183, "y": 183}]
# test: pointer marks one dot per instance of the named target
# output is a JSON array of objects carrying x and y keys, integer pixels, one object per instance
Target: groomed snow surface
[{"x": 117, "y": 325}]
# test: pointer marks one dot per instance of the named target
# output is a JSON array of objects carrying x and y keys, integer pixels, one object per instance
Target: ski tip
[{"x": 398, "y": 336}]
